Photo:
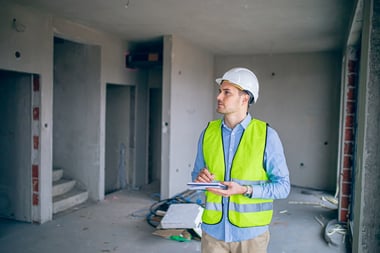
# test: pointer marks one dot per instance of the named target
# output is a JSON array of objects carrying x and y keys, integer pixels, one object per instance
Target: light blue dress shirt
[{"x": 276, "y": 168}]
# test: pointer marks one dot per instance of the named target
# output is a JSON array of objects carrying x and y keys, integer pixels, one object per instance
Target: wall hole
[{"x": 18, "y": 54}]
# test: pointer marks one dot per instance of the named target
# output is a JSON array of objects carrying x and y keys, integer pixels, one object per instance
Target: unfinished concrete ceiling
[{"x": 221, "y": 26}]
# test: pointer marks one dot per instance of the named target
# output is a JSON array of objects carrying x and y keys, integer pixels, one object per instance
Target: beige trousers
[{"x": 256, "y": 245}]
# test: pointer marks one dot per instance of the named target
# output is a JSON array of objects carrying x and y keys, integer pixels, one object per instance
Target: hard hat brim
[{"x": 220, "y": 81}]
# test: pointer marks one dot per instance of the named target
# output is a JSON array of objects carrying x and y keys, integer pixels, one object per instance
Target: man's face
[{"x": 230, "y": 99}]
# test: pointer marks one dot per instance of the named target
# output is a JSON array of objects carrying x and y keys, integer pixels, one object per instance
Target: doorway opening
[
  {"x": 120, "y": 145},
  {"x": 154, "y": 149},
  {"x": 76, "y": 117},
  {"x": 16, "y": 145}
]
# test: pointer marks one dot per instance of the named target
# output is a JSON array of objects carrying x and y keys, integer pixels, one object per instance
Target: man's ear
[{"x": 246, "y": 98}]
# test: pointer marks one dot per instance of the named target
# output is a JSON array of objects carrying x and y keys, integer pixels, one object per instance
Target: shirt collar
[{"x": 245, "y": 122}]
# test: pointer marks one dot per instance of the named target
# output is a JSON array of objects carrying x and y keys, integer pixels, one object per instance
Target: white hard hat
[{"x": 244, "y": 79}]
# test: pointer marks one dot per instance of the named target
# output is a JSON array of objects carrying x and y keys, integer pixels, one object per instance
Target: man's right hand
[{"x": 204, "y": 176}]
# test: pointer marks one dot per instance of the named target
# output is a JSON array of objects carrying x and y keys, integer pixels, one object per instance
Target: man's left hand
[{"x": 232, "y": 189}]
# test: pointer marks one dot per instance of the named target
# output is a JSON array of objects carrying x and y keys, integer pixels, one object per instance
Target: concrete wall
[
  {"x": 35, "y": 45},
  {"x": 187, "y": 107},
  {"x": 366, "y": 217},
  {"x": 113, "y": 70},
  {"x": 299, "y": 97}
]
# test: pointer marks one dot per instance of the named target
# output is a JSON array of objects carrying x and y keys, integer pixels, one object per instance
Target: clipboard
[{"x": 204, "y": 186}]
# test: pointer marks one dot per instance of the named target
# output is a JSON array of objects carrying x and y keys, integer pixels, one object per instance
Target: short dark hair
[{"x": 251, "y": 97}]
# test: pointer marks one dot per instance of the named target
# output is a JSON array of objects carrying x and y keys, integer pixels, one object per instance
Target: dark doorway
[
  {"x": 154, "y": 165},
  {"x": 15, "y": 145},
  {"x": 119, "y": 137}
]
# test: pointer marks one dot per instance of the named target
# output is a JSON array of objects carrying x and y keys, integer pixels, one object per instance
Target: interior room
[{"x": 104, "y": 101}]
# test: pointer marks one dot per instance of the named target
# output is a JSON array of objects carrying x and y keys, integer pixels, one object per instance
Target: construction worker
[{"x": 245, "y": 155}]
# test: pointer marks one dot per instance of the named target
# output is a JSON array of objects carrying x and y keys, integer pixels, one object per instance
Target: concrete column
[{"x": 366, "y": 226}]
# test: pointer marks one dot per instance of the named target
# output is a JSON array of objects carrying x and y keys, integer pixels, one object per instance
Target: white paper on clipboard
[{"x": 203, "y": 186}]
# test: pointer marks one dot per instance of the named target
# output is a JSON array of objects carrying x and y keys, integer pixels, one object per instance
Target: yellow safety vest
[{"x": 246, "y": 169}]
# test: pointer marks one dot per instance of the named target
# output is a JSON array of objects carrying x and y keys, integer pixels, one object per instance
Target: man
[{"x": 246, "y": 155}]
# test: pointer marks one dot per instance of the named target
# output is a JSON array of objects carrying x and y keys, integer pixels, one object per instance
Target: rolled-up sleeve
[
  {"x": 199, "y": 160},
  {"x": 275, "y": 165}
]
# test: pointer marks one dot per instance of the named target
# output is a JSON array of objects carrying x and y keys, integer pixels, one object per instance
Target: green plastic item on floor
[{"x": 179, "y": 238}]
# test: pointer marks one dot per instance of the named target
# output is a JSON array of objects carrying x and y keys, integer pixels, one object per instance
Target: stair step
[
  {"x": 70, "y": 199},
  {"x": 57, "y": 174},
  {"x": 62, "y": 186}
]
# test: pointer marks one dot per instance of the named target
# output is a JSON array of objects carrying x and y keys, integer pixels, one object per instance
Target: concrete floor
[{"x": 118, "y": 224}]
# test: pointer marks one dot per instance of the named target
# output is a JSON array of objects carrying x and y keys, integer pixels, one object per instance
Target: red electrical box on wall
[{"x": 143, "y": 60}]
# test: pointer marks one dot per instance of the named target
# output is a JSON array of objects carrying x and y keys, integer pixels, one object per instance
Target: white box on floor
[{"x": 183, "y": 216}]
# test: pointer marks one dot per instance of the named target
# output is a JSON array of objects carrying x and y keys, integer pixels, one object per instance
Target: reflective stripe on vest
[
  {"x": 241, "y": 208},
  {"x": 247, "y": 168}
]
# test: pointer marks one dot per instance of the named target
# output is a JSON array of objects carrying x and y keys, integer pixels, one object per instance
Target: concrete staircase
[{"x": 67, "y": 193}]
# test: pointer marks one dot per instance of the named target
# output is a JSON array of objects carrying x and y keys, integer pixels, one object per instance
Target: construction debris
[
  {"x": 187, "y": 216},
  {"x": 181, "y": 235},
  {"x": 178, "y": 218},
  {"x": 332, "y": 200},
  {"x": 319, "y": 221},
  {"x": 326, "y": 202},
  {"x": 335, "y": 233}
]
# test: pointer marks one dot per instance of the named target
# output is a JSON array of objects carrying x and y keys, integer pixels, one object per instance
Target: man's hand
[
  {"x": 204, "y": 176},
  {"x": 232, "y": 189}
]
